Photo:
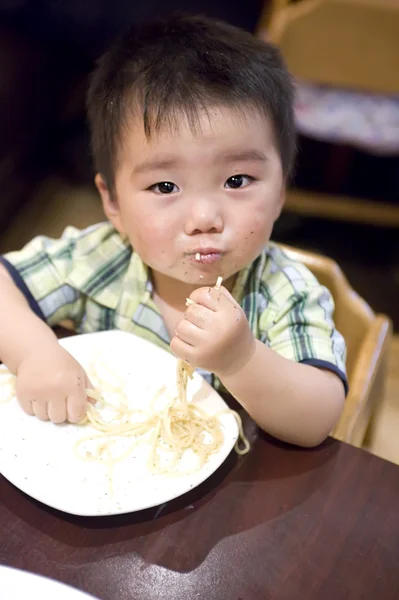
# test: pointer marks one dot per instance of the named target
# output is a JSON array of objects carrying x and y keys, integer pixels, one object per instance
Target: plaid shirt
[{"x": 96, "y": 279}]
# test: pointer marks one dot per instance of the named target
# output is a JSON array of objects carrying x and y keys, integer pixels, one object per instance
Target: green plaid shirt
[{"x": 95, "y": 279}]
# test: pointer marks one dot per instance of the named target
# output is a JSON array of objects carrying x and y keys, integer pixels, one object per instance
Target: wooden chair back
[
  {"x": 341, "y": 43},
  {"x": 368, "y": 338},
  {"x": 351, "y": 44}
]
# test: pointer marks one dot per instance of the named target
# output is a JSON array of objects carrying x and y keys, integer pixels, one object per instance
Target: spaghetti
[
  {"x": 6, "y": 379},
  {"x": 178, "y": 429}
]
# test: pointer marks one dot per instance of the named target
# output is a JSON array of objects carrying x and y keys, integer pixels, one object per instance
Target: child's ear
[{"x": 110, "y": 205}]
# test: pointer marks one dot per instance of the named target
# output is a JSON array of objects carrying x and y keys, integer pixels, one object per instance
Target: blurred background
[{"x": 343, "y": 200}]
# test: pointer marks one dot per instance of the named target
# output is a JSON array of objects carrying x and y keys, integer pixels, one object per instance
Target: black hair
[{"x": 182, "y": 65}]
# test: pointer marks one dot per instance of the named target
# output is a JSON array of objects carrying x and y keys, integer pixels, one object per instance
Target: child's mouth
[{"x": 206, "y": 258}]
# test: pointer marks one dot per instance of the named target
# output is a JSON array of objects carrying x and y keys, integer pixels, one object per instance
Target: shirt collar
[{"x": 108, "y": 271}]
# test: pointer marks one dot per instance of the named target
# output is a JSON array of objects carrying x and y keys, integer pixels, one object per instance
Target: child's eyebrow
[
  {"x": 170, "y": 162},
  {"x": 155, "y": 165},
  {"x": 244, "y": 156}
]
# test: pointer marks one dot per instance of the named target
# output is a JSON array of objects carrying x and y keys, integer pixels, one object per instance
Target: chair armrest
[{"x": 367, "y": 383}]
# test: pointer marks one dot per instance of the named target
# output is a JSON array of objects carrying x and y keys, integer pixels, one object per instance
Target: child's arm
[
  {"x": 294, "y": 402},
  {"x": 21, "y": 330},
  {"x": 50, "y": 383}
]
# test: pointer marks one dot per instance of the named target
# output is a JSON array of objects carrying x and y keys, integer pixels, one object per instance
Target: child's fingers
[
  {"x": 212, "y": 298},
  {"x": 89, "y": 386},
  {"x": 187, "y": 331},
  {"x": 229, "y": 296},
  {"x": 198, "y": 315},
  {"x": 181, "y": 349},
  {"x": 207, "y": 297},
  {"x": 40, "y": 410},
  {"x": 57, "y": 411},
  {"x": 76, "y": 407},
  {"x": 26, "y": 405}
]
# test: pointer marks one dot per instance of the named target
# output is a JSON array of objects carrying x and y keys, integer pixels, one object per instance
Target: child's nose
[{"x": 204, "y": 217}]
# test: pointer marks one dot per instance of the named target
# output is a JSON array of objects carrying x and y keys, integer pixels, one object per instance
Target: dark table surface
[{"x": 280, "y": 523}]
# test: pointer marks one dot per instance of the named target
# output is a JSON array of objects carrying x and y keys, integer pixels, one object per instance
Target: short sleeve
[
  {"x": 40, "y": 271},
  {"x": 302, "y": 329}
]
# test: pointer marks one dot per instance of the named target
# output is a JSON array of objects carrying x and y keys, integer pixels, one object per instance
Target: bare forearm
[
  {"x": 21, "y": 330},
  {"x": 293, "y": 402}
]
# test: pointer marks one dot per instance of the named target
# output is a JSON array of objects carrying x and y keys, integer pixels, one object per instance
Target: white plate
[
  {"x": 16, "y": 584},
  {"x": 38, "y": 458}
]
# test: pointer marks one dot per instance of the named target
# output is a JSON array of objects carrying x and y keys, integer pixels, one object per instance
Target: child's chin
[{"x": 199, "y": 279}]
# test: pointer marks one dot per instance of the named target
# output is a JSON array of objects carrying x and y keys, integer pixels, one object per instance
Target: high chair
[
  {"x": 368, "y": 337},
  {"x": 342, "y": 44}
]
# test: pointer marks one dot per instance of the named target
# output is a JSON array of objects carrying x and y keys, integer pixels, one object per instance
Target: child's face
[{"x": 216, "y": 193}]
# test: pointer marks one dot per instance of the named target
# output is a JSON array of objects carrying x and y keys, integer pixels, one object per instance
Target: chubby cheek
[
  {"x": 152, "y": 238},
  {"x": 254, "y": 229}
]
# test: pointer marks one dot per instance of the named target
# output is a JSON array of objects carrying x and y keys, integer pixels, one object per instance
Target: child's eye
[
  {"x": 164, "y": 187},
  {"x": 238, "y": 181}
]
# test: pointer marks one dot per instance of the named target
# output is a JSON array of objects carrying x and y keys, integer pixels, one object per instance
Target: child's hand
[
  {"x": 51, "y": 384},
  {"x": 214, "y": 333}
]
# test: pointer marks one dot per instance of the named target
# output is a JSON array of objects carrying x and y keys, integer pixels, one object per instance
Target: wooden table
[{"x": 280, "y": 523}]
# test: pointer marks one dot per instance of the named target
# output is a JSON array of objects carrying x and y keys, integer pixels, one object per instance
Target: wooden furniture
[
  {"x": 368, "y": 338},
  {"x": 352, "y": 44},
  {"x": 280, "y": 523}
]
